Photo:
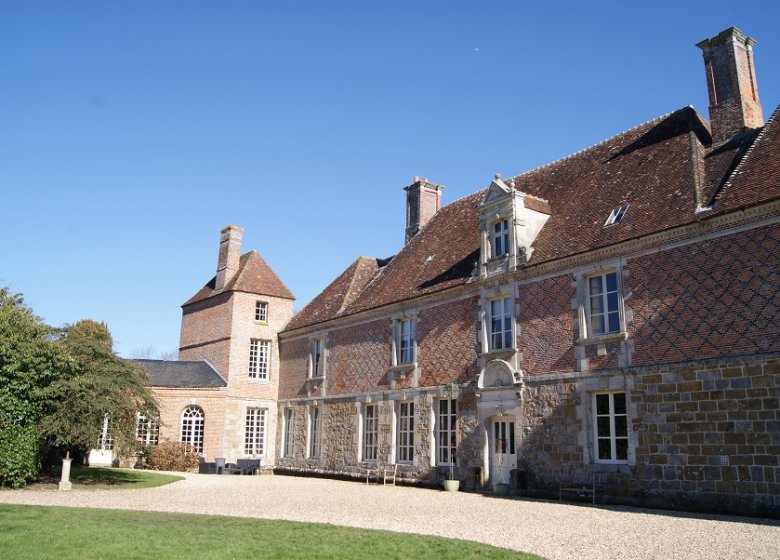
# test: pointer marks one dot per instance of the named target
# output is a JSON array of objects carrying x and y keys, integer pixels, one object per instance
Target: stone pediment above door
[{"x": 497, "y": 374}]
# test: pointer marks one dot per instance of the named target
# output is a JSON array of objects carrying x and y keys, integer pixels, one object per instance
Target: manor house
[{"x": 614, "y": 314}]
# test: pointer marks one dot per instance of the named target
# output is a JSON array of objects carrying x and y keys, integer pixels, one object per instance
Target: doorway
[{"x": 503, "y": 456}]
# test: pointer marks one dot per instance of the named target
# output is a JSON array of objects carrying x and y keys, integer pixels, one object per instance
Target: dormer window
[
  {"x": 616, "y": 215},
  {"x": 500, "y": 238}
]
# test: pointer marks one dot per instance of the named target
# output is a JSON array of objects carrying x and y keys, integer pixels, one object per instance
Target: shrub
[
  {"x": 20, "y": 454},
  {"x": 172, "y": 456}
]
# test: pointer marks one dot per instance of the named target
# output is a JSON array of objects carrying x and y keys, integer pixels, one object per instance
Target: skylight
[{"x": 616, "y": 215}]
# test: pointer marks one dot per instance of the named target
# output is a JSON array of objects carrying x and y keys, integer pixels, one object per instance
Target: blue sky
[{"x": 133, "y": 131}]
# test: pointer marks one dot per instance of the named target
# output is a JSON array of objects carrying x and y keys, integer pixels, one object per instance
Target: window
[
  {"x": 261, "y": 312},
  {"x": 315, "y": 428},
  {"x": 603, "y": 310},
  {"x": 254, "y": 433},
  {"x": 147, "y": 430},
  {"x": 406, "y": 432},
  {"x": 405, "y": 341},
  {"x": 500, "y": 327},
  {"x": 616, "y": 215},
  {"x": 192, "y": 421},
  {"x": 259, "y": 352},
  {"x": 105, "y": 437},
  {"x": 500, "y": 238},
  {"x": 370, "y": 433},
  {"x": 446, "y": 437},
  {"x": 317, "y": 362},
  {"x": 611, "y": 427},
  {"x": 288, "y": 432}
]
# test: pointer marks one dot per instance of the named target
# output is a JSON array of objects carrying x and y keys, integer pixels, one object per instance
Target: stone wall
[{"x": 702, "y": 436}]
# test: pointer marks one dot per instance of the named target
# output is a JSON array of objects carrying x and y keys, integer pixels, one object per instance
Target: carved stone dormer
[{"x": 509, "y": 222}]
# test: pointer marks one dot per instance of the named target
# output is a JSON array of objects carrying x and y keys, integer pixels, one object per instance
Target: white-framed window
[
  {"x": 500, "y": 319},
  {"x": 405, "y": 341},
  {"x": 317, "y": 358},
  {"x": 192, "y": 425},
  {"x": 105, "y": 436},
  {"x": 259, "y": 356},
  {"x": 405, "y": 432},
  {"x": 499, "y": 238},
  {"x": 446, "y": 433},
  {"x": 147, "y": 430},
  {"x": 610, "y": 427},
  {"x": 315, "y": 432},
  {"x": 370, "y": 432},
  {"x": 261, "y": 311},
  {"x": 289, "y": 428},
  {"x": 602, "y": 304},
  {"x": 254, "y": 431}
]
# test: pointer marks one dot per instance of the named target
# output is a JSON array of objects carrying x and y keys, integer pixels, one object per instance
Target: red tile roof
[
  {"x": 254, "y": 276},
  {"x": 653, "y": 168}
]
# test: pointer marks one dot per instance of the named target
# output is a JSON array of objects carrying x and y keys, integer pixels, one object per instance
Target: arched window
[{"x": 192, "y": 420}]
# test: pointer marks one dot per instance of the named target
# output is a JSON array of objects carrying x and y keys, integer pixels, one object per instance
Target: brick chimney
[
  {"x": 731, "y": 81},
  {"x": 423, "y": 200},
  {"x": 229, "y": 255}
]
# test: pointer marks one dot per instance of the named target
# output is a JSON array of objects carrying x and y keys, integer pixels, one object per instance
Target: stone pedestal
[{"x": 65, "y": 483}]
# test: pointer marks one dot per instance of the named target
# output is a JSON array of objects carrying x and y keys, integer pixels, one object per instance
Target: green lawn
[
  {"x": 97, "y": 477},
  {"x": 63, "y": 533}
]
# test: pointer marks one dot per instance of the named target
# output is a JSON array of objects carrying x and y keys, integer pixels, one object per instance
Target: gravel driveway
[{"x": 552, "y": 530}]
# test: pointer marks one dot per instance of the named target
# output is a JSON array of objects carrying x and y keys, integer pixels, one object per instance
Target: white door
[{"x": 503, "y": 456}]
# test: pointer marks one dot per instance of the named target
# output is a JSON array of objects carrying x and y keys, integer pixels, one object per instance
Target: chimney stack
[
  {"x": 229, "y": 255},
  {"x": 731, "y": 81},
  {"x": 423, "y": 200}
]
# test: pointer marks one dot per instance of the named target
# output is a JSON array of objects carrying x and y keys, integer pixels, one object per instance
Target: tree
[
  {"x": 57, "y": 386},
  {"x": 30, "y": 360},
  {"x": 100, "y": 384}
]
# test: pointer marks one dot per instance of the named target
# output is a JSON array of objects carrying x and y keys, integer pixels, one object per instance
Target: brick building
[
  {"x": 614, "y": 313},
  {"x": 221, "y": 396}
]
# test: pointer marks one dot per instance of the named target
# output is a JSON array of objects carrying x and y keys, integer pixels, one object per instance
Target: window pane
[
  {"x": 603, "y": 426},
  {"x": 595, "y": 285},
  {"x": 614, "y": 322},
  {"x": 621, "y": 426},
  {"x": 620, "y": 402},
  {"x": 605, "y": 450},
  {"x": 611, "y": 279},
  {"x": 602, "y": 404},
  {"x": 621, "y": 450}
]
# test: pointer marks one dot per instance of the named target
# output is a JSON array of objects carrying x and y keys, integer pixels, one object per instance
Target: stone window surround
[
  {"x": 582, "y": 304},
  {"x": 485, "y": 299},
  {"x": 288, "y": 428},
  {"x": 434, "y": 437},
  {"x": 410, "y": 432},
  {"x": 314, "y": 431},
  {"x": 259, "y": 430},
  {"x": 259, "y": 360},
  {"x": 321, "y": 366},
  {"x": 261, "y": 312},
  {"x": 586, "y": 388}
]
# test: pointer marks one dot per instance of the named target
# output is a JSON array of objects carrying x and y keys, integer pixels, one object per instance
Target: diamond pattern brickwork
[
  {"x": 359, "y": 358},
  {"x": 716, "y": 298},
  {"x": 447, "y": 338},
  {"x": 546, "y": 318}
]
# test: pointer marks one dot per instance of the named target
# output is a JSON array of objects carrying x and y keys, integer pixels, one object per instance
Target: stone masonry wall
[{"x": 702, "y": 436}]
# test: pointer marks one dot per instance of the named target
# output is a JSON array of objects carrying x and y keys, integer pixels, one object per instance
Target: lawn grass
[
  {"x": 80, "y": 533},
  {"x": 103, "y": 478}
]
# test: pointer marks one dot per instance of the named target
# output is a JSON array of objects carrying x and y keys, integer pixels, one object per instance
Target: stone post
[{"x": 65, "y": 483}]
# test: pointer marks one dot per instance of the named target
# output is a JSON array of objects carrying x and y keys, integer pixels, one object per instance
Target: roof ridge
[
  {"x": 356, "y": 264},
  {"x": 601, "y": 143},
  {"x": 759, "y": 136}
]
